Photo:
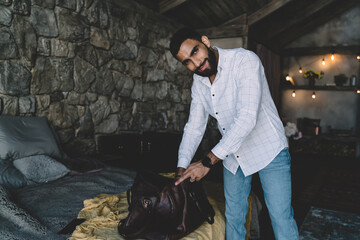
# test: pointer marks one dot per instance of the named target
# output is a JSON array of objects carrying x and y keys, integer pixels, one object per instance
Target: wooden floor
[{"x": 324, "y": 182}]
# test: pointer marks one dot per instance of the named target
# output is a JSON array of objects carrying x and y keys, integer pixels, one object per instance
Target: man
[{"x": 231, "y": 86}]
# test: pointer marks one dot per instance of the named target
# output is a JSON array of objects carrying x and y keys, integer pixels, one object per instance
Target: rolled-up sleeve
[
  {"x": 249, "y": 88},
  {"x": 193, "y": 130}
]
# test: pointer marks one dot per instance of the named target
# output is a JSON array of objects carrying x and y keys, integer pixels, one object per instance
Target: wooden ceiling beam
[
  {"x": 346, "y": 50},
  {"x": 242, "y": 19},
  {"x": 266, "y": 10},
  {"x": 228, "y": 31},
  {"x": 259, "y": 14},
  {"x": 167, "y": 5}
]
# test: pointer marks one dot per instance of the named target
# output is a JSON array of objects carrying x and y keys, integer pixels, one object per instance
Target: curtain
[{"x": 271, "y": 63}]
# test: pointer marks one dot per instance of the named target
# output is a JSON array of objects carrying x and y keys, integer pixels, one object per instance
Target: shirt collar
[{"x": 220, "y": 65}]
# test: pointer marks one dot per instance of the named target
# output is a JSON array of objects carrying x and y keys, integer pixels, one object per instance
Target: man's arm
[{"x": 193, "y": 131}]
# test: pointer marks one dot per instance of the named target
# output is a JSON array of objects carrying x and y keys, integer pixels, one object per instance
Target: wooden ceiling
[{"x": 274, "y": 23}]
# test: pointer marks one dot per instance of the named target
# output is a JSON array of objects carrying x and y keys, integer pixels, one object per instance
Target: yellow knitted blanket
[{"x": 104, "y": 212}]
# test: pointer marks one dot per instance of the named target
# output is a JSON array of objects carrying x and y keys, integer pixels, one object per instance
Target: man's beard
[{"x": 212, "y": 63}]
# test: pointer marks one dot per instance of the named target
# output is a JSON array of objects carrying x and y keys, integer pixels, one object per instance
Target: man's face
[{"x": 197, "y": 57}]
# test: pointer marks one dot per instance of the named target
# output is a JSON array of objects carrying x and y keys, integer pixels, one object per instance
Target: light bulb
[
  {"x": 287, "y": 78},
  {"x": 300, "y": 70},
  {"x": 323, "y": 61},
  {"x": 358, "y": 91},
  {"x": 332, "y": 57},
  {"x": 358, "y": 57},
  {"x": 313, "y": 96},
  {"x": 293, "y": 94}
]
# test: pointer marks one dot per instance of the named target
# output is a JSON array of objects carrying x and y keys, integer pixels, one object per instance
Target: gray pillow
[
  {"x": 10, "y": 177},
  {"x": 40, "y": 168},
  {"x": 26, "y": 136}
]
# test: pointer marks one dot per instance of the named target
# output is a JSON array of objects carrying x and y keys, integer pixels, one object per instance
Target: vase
[{"x": 311, "y": 82}]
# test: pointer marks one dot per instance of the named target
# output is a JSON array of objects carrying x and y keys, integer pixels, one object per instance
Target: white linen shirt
[{"x": 240, "y": 100}]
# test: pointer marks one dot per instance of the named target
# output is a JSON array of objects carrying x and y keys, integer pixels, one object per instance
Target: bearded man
[{"x": 231, "y": 86}]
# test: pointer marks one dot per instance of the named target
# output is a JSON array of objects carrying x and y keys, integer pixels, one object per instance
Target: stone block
[
  {"x": 137, "y": 92},
  {"x": 10, "y": 105},
  {"x": 99, "y": 38},
  {"x": 22, "y": 7},
  {"x": 109, "y": 125},
  {"x": 59, "y": 70},
  {"x": 100, "y": 109},
  {"x": 71, "y": 26},
  {"x": 5, "y": 16},
  {"x": 14, "y": 79},
  {"x": 155, "y": 75},
  {"x": 121, "y": 52},
  {"x": 62, "y": 115},
  {"x": 42, "y": 102},
  {"x": 44, "y": 22},
  {"x": 25, "y": 38},
  {"x": 162, "y": 90},
  {"x": 27, "y": 104},
  {"x": 44, "y": 46},
  {"x": 84, "y": 75},
  {"x": 104, "y": 83},
  {"x": 7, "y": 45}
]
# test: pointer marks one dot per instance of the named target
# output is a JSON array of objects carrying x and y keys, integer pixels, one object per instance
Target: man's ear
[{"x": 205, "y": 41}]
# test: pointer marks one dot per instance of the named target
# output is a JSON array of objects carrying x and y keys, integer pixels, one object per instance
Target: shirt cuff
[
  {"x": 219, "y": 152},
  {"x": 183, "y": 163}
]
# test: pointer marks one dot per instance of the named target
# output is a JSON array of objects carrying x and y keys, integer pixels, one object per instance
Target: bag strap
[
  {"x": 128, "y": 196},
  {"x": 208, "y": 213}
]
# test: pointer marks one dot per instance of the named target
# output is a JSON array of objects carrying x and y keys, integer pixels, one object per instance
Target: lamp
[{"x": 313, "y": 96}]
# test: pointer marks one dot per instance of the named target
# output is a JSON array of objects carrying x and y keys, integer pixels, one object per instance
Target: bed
[{"x": 42, "y": 189}]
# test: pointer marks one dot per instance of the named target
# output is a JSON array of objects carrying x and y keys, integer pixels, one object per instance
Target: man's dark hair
[{"x": 180, "y": 36}]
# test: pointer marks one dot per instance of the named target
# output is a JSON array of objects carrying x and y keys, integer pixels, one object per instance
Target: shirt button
[
  {"x": 216, "y": 113},
  {"x": 237, "y": 156},
  {"x": 223, "y": 128},
  {"x": 213, "y": 95},
  {"x": 227, "y": 155}
]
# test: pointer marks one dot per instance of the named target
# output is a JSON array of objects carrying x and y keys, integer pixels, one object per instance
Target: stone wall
[{"x": 90, "y": 67}]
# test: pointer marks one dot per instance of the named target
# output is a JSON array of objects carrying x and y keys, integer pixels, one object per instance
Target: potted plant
[{"x": 311, "y": 76}]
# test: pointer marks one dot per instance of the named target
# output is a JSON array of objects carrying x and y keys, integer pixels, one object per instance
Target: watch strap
[{"x": 206, "y": 161}]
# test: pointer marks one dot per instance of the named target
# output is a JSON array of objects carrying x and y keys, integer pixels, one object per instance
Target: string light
[
  {"x": 300, "y": 70},
  {"x": 287, "y": 77},
  {"x": 358, "y": 91},
  {"x": 313, "y": 96},
  {"x": 358, "y": 57},
  {"x": 293, "y": 94},
  {"x": 332, "y": 57},
  {"x": 323, "y": 61}
]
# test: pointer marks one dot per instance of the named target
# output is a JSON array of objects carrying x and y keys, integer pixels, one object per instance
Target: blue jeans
[{"x": 276, "y": 183}]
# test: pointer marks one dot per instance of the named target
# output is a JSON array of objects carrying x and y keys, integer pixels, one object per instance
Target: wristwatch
[{"x": 206, "y": 162}]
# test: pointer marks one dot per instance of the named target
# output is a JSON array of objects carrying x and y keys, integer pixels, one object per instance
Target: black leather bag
[{"x": 159, "y": 210}]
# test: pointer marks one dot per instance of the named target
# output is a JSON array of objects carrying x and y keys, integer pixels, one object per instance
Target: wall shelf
[{"x": 327, "y": 88}]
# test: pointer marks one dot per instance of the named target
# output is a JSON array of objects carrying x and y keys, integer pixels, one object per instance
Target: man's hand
[
  {"x": 195, "y": 172},
  {"x": 179, "y": 172}
]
